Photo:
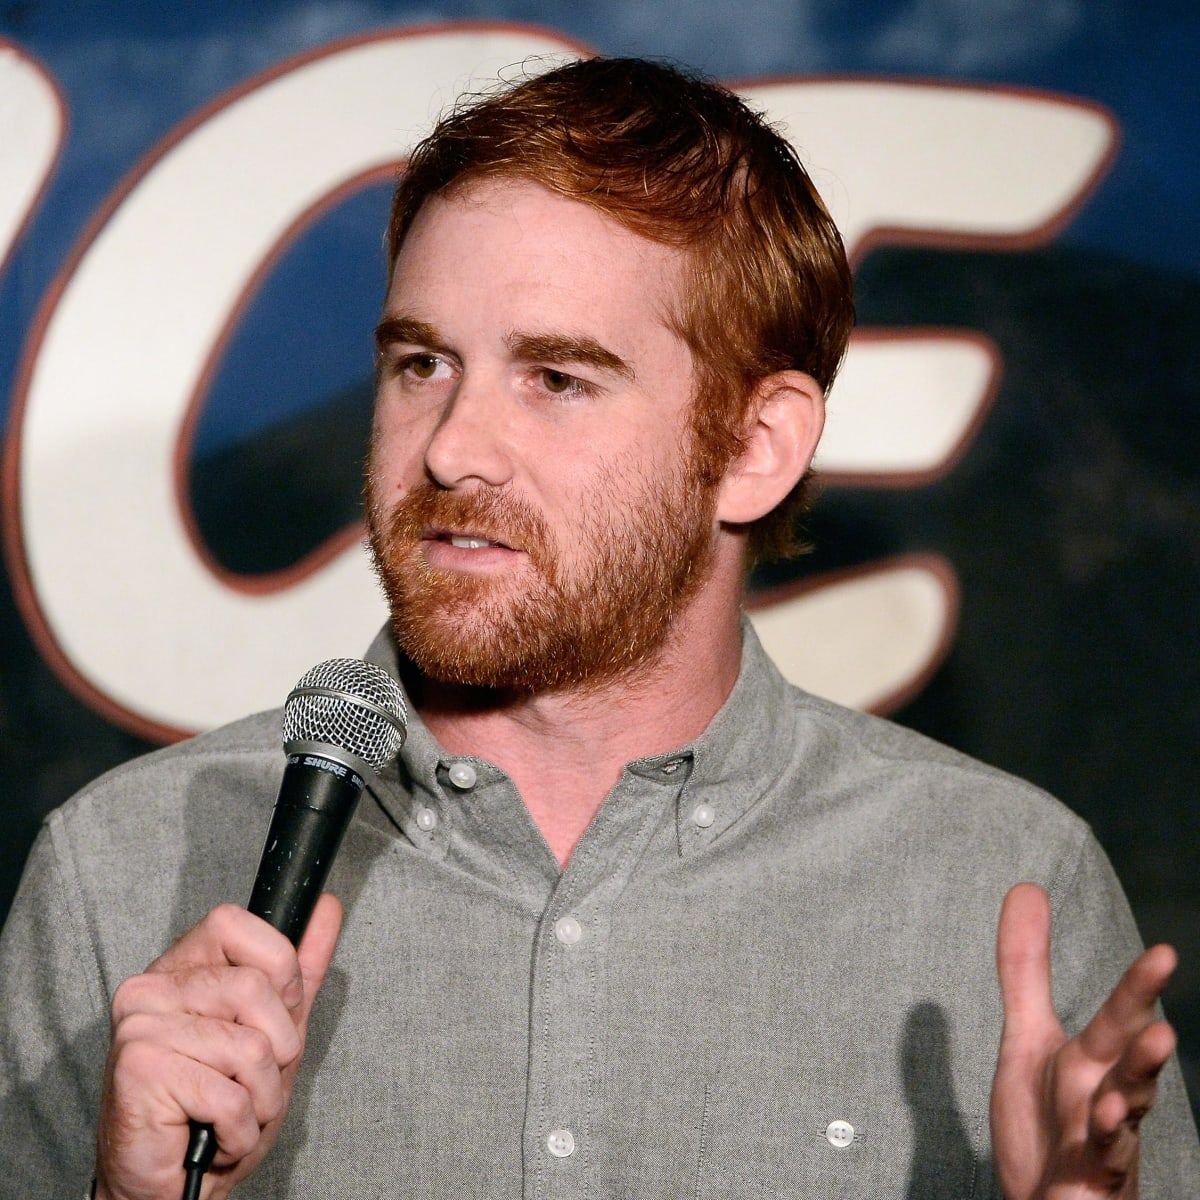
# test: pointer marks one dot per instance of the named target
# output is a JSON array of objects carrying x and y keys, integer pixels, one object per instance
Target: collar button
[{"x": 462, "y": 776}]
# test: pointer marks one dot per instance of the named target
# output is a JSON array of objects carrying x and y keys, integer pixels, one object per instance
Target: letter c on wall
[{"x": 107, "y": 575}]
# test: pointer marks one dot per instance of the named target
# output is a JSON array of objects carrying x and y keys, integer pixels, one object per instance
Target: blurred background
[{"x": 1007, "y": 545}]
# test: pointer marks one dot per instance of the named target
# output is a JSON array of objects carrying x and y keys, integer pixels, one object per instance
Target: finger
[
  {"x": 154, "y": 1087},
  {"x": 1130, "y": 1006},
  {"x": 315, "y": 951},
  {"x": 1127, "y": 1091},
  {"x": 1023, "y": 959},
  {"x": 1111, "y": 1153},
  {"x": 1123, "y": 1098},
  {"x": 238, "y": 1052},
  {"x": 232, "y": 936},
  {"x": 239, "y": 994}
]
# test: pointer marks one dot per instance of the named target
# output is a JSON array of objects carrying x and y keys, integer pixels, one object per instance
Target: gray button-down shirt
[{"x": 767, "y": 970}]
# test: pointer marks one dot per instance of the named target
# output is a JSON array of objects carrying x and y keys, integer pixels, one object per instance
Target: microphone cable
[{"x": 202, "y": 1148}]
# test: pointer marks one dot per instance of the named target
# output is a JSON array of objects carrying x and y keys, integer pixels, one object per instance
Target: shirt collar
[
  {"x": 727, "y": 768},
  {"x": 421, "y": 754}
]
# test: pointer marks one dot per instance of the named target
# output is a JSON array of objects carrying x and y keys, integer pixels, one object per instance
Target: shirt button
[
  {"x": 463, "y": 776},
  {"x": 426, "y": 819},
  {"x": 704, "y": 815},
  {"x": 568, "y": 931},
  {"x": 839, "y": 1133},
  {"x": 560, "y": 1143},
  {"x": 669, "y": 768}
]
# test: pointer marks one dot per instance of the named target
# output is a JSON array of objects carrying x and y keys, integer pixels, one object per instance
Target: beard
[{"x": 547, "y": 625}]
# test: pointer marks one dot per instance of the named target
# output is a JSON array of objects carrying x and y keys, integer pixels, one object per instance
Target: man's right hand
[{"x": 212, "y": 1032}]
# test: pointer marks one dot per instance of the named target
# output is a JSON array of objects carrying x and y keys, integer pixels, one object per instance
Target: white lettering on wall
[
  {"x": 127, "y": 607},
  {"x": 132, "y": 611},
  {"x": 904, "y": 161},
  {"x": 33, "y": 120}
]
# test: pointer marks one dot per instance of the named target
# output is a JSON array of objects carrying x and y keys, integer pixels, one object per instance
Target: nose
[{"x": 470, "y": 441}]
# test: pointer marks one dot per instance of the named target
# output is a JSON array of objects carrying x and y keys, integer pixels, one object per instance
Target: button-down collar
[{"x": 723, "y": 771}]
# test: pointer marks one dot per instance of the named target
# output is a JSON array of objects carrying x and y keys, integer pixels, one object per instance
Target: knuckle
[
  {"x": 292, "y": 1044},
  {"x": 249, "y": 985},
  {"x": 131, "y": 995},
  {"x": 273, "y": 1109},
  {"x": 134, "y": 1027},
  {"x": 237, "y": 1129},
  {"x": 256, "y": 1047},
  {"x": 245, "y": 1120},
  {"x": 270, "y": 1099},
  {"x": 243, "y": 1109},
  {"x": 224, "y": 918},
  {"x": 286, "y": 970},
  {"x": 277, "y": 953},
  {"x": 212, "y": 977},
  {"x": 275, "y": 1104},
  {"x": 135, "y": 1061}
]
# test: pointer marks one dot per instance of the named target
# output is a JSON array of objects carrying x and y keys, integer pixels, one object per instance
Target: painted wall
[{"x": 1007, "y": 548}]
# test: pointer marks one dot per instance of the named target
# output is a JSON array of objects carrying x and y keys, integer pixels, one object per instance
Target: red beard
[{"x": 540, "y": 627}]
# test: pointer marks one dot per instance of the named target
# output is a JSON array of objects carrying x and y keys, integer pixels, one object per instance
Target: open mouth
[{"x": 464, "y": 539}]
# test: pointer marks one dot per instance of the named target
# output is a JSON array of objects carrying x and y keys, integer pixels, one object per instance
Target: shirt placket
[{"x": 569, "y": 962}]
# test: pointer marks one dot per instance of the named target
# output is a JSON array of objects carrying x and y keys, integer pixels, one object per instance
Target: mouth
[{"x": 464, "y": 539}]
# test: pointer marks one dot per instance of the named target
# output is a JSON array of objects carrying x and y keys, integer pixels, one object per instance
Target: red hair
[{"x": 685, "y": 162}]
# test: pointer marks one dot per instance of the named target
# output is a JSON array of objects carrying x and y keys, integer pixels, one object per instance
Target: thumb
[
  {"x": 1023, "y": 960},
  {"x": 315, "y": 951}
]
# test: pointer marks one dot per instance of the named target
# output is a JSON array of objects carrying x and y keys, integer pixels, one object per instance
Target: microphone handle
[{"x": 317, "y": 798}]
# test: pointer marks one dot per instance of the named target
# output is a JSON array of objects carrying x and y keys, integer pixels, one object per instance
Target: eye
[
  {"x": 556, "y": 381},
  {"x": 423, "y": 366},
  {"x": 559, "y": 383}
]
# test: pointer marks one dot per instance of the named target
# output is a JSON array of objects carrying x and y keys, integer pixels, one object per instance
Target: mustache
[{"x": 495, "y": 515}]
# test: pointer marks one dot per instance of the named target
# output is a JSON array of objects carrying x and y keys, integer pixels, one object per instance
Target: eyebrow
[
  {"x": 528, "y": 347},
  {"x": 568, "y": 348},
  {"x": 408, "y": 330}
]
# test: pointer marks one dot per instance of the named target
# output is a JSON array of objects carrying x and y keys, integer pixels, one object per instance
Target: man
[{"x": 632, "y": 917}]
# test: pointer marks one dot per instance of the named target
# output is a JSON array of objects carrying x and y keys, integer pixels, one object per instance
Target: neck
[{"x": 565, "y": 751}]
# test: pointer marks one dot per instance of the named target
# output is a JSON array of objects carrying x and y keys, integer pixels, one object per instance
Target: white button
[
  {"x": 669, "y": 768},
  {"x": 704, "y": 815},
  {"x": 839, "y": 1133},
  {"x": 426, "y": 819},
  {"x": 560, "y": 1143},
  {"x": 462, "y": 775},
  {"x": 568, "y": 931}
]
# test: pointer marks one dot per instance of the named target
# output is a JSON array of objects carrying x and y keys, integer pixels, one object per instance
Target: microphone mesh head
[{"x": 344, "y": 713}]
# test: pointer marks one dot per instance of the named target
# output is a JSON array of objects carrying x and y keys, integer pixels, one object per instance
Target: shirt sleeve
[
  {"x": 54, "y": 1029},
  {"x": 1094, "y": 941}
]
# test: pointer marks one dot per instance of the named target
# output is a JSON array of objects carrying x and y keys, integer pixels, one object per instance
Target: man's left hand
[{"x": 1065, "y": 1112}]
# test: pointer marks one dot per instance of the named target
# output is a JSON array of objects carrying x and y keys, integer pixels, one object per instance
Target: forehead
[{"x": 513, "y": 241}]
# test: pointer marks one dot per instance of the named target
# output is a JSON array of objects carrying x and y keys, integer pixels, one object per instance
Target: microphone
[{"x": 344, "y": 721}]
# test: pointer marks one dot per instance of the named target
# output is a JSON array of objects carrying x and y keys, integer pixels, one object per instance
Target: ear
[{"x": 785, "y": 419}]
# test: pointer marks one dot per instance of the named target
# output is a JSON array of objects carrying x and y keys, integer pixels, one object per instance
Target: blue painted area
[
  {"x": 319, "y": 304},
  {"x": 132, "y": 71}
]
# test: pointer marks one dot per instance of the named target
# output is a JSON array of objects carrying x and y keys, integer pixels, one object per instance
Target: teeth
[{"x": 469, "y": 543}]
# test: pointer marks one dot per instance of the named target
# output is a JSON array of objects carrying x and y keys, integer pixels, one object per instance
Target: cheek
[
  {"x": 397, "y": 451},
  {"x": 585, "y": 501}
]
